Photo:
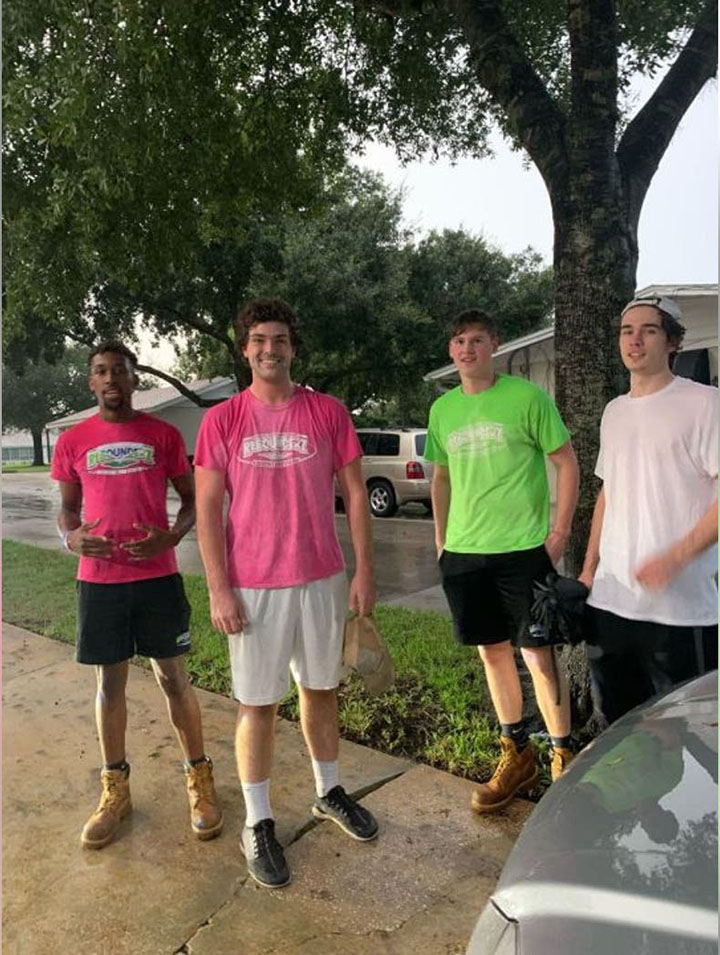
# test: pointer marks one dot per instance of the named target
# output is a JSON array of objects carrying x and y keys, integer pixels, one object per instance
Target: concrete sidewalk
[{"x": 159, "y": 891}]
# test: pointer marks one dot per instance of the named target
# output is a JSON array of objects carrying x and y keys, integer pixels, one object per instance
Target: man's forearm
[
  {"x": 184, "y": 520},
  {"x": 211, "y": 541},
  {"x": 592, "y": 553},
  {"x": 358, "y": 520},
  {"x": 703, "y": 535},
  {"x": 658, "y": 572},
  {"x": 440, "y": 496},
  {"x": 68, "y": 519},
  {"x": 568, "y": 482}
]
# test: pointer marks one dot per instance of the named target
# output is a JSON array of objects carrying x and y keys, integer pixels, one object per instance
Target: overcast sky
[{"x": 504, "y": 199}]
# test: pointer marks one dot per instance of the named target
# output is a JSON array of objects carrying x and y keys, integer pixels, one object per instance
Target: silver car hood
[{"x": 620, "y": 856}]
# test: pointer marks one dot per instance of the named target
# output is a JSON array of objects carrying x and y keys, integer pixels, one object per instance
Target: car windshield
[{"x": 420, "y": 443}]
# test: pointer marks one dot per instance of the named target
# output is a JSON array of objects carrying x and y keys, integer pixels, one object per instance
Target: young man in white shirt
[{"x": 651, "y": 557}]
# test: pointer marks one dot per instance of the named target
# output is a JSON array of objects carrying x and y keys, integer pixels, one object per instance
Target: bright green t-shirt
[
  {"x": 494, "y": 444},
  {"x": 639, "y": 769}
]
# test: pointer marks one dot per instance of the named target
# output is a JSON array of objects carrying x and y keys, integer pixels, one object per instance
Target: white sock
[
  {"x": 326, "y": 776},
  {"x": 257, "y": 802}
]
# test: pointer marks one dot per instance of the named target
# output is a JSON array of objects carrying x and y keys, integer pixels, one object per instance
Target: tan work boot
[
  {"x": 516, "y": 772},
  {"x": 561, "y": 759},
  {"x": 114, "y": 805},
  {"x": 206, "y": 817}
]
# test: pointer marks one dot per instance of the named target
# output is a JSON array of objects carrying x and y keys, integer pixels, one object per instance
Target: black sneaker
[
  {"x": 352, "y": 818},
  {"x": 264, "y": 855}
]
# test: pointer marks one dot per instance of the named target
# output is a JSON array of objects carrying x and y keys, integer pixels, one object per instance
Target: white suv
[{"x": 394, "y": 468}]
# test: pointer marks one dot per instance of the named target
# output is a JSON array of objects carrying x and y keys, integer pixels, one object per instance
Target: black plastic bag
[{"x": 558, "y": 610}]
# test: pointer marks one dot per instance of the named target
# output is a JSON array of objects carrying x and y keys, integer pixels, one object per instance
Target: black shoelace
[
  {"x": 340, "y": 800},
  {"x": 265, "y": 843}
]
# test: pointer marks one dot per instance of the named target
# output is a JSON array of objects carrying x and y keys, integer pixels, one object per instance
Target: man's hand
[
  {"x": 227, "y": 611},
  {"x": 586, "y": 578},
  {"x": 656, "y": 573},
  {"x": 362, "y": 592},
  {"x": 555, "y": 544},
  {"x": 157, "y": 541},
  {"x": 81, "y": 541}
]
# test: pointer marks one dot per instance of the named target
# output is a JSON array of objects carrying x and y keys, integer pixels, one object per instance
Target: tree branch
[
  {"x": 149, "y": 370},
  {"x": 647, "y": 137},
  {"x": 205, "y": 328},
  {"x": 176, "y": 383},
  {"x": 156, "y": 305},
  {"x": 507, "y": 74},
  {"x": 80, "y": 339}
]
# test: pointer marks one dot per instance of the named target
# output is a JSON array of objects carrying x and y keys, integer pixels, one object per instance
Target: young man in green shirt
[{"x": 491, "y": 501}]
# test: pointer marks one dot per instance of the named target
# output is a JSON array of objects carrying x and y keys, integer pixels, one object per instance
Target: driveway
[{"x": 406, "y": 568}]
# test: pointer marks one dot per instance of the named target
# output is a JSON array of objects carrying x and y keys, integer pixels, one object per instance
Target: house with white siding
[
  {"x": 533, "y": 355},
  {"x": 166, "y": 403}
]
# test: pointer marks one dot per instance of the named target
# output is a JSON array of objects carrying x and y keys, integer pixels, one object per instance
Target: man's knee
[
  {"x": 496, "y": 654},
  {"x": 256, "y": 714},
  {"x": 539, "y": 660},
  {"x": 111, "y": 681},
  {"x": 317, "y": 696},
  {"x": 172, "y": 679}
]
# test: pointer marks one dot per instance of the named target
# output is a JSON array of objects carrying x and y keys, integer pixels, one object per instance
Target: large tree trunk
[
  {"x": 595, "y": 259},
  {"x": 594, "y": 278},
  {"x": 37, "y": 437},
  {"x": 595, "y": 264},
  {"x": 591, "y": 288}
]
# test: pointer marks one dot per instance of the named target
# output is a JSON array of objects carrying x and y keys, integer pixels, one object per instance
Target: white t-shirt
[{"x": 659, "y": 464}]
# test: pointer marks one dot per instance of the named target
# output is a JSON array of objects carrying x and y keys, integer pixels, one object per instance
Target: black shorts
[
  {"x": 490, "y": 595},
  {"x": 632, "y": 660},
  {"x": 116, "y": 621}
]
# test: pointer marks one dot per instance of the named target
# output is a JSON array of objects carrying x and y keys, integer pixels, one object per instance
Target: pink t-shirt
[
  {"x": 123, "y": 468},
  {"x": 279, "y": 462}
]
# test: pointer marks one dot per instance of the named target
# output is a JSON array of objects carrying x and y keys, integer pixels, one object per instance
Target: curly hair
[
  {"x": 260, "y": 310},
  {"x": 114, "y": 347}
]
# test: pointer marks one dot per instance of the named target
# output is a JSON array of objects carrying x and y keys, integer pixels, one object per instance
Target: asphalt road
[{"x": 404, "y": 550}]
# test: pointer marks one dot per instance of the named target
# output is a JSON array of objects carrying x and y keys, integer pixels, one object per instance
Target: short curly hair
[
  {"x": 114, "y": 347},
  {"x": 260, "y": 310}
]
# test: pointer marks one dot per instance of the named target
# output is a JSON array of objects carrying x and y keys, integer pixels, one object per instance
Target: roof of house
[
  {"x": 155, "y": 399},
  {"x": 682, "y": 292},
  {"x": 541, "y": 335}
]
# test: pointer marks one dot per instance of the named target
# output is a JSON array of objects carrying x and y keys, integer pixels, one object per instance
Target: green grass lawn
[
  {"x": 438, "y": 712},
  {"x": 17, "y": 468}
]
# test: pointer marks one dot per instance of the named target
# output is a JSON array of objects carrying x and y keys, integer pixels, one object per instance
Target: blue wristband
[{"x": 63, "y": 538}]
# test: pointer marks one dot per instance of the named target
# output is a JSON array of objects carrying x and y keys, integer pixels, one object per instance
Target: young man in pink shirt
[
  {"x": 275, "y": 572},
  {"x": 113, "y": 469}
]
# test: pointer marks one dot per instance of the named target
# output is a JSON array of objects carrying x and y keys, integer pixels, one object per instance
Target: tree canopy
[
  {"x": 45, "y": 391},
  {"x": 140, "y": 135},
  {"x": 374, "y": 304}
]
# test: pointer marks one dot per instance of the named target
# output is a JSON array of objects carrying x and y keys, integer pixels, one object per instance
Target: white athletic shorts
[{"x": 292, "y": 628}]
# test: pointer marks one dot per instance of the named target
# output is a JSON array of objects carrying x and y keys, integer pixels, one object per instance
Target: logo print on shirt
[
  {"x": 120, "y": 457},
  {"x": 487, "y": 437},
  {"x": 280, "y": 450}
]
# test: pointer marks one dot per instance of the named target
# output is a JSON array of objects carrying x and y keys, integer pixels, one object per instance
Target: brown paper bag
[{"x": 365, "y": 652}]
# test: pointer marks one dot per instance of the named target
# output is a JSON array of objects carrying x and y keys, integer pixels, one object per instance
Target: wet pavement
[
  {"x": 156, "y": 890},
  {"x": 405, "y": 560}
]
